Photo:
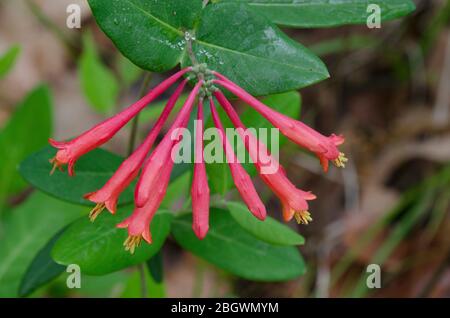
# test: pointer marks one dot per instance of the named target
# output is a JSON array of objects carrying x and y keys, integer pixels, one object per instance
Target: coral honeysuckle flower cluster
[{"x": 155, "y": 166}]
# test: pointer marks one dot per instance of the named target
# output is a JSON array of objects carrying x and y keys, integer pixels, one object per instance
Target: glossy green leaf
[
  {"x": 149, "y": 33},
  {"x": 98, "y": 247},
  {"x": 269, "y": 230},
  {"x": 230, "y": 38},
  {"x": 228, "y": 246},
  {"x": 91, "y": 173},
  {"x": 253, "y": 52},
  {"x": 98, "y": 83},
  {"x": 27, "y": 131},
  {"x": 326, "y": 13},
  {"x": 42, "y": 269},
  {"x": 286, "y": 103},
  {"x": 8, "y": 59},
  {"x": 26, "y": 230}
]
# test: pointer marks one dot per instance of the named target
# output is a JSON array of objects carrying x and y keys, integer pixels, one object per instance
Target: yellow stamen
[
  {"x": 303, "y": 217},
  {"x": 56, "y": 165},
  {"x": 96, "y": 211},
  {"x": 132, "y": 242},
  {"x": 340, "y": 161}
]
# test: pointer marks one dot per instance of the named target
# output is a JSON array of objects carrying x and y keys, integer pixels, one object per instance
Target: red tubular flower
[
  {"x": 200, "y": 189},
  {"x": 161, "y": 155},
  {"x": 138, "y": 223},
  {"x": 241, "y": 178},
  {"x": 324, "y": 147},
  {"x": 294, "y": 201},
  {"x": 69, "y": 152},
  {"x": 109, "y": 194}
]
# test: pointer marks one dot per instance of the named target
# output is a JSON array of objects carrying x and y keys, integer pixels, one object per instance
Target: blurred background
[{"x": 389, "y": 94}]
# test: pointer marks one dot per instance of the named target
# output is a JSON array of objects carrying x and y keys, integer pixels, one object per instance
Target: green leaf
[
  {"x": 26, "y": 230},
  {"x": 27, "y": 131},
  {"x": 149, "y": 33},
  {"x": 286, "y": 103},
  {"x": 269, "y": 230},
  {"x": 42, "y": 269},
  {"x": 98, "y": 83},
  {"x": 153, "y": 111},
  {"x": 98, "y": 247},
  {"x": 345, "y": 44},
  {"x": 179, "y": 186},
  {"x": 8, "y": 59},
  {"x": 231, "y": 248},
  {"x": 326, "y": 13},
  {"x": 155, "y": 267},
  {"x": 91, "y": 173},
  {"x": 230, "y": 38},
  {"x": 110, "y": 285},
  {"x": 129, "y": 73},
  {"x": 252, "y": 52}
]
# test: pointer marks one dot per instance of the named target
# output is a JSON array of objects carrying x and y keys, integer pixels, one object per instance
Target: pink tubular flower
[
  {"x": 294, "y": 201},
  {"x": 138, "y": 223},
  {"x": 109, "y": 194},
  {"x": 241, "y": 178},
  {"x": 324, "y": 147},
  {"x": 161, "y": 155},
  {"x": 69, "y": 152},
  {"x": 200, "y": 189}
]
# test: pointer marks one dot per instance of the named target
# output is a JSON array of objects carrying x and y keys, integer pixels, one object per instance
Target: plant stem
[
  {"x": 189, "y": 49},
  {"x": 135, "y": 122},
  {"x": 191, "y": 53},
  {"x": 205, "y": 3},
  {"x": 52, "y": 27},
  {"x": 198, "y": 279},
  {"x": 143, "y": 279}
]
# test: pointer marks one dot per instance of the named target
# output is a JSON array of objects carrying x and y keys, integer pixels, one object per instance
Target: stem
[
  {"x": 143, "y": 279},
  {"x": 191, "y": 53},
  {"x": 52, "y": 27},
  {"x": 205, "y": 3},
  {"x": 135, "y": 122},
  {"x": 189, "y": 49},
  {"x": 198, "y": 280}
]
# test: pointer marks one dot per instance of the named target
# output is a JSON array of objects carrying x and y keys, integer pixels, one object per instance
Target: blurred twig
[
  {"x": 434, "y": 280},
  {"x": 52, "y": 27},
  {"x": 135, "y": 122},
  {"x": 437, "y": 23},
  {"x": 441, "y": 109},
  {"x": 143, "y": 280}
]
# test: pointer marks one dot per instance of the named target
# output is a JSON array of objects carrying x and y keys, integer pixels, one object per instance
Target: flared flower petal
[
  {"x": 294, "y": 200},
  {"x": 108, "y": 195},
  {"x": 138, "y": 224},
  {"x": 241, "y": 178},
  {"x": 200, "y": 189},
  {"x": 325, "y": 148},
  {"x": 161, "y": 155},
  {"x": 69, "y": 152}
]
